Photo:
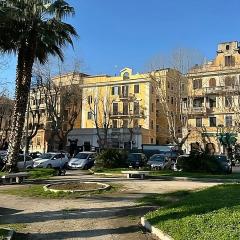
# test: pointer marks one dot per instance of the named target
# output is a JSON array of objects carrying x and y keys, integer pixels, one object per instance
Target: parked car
[
  {"x": 28, "y": 162},
  {"x": 83, "y": 160},
  {"x": 35, "y": 155},
  {"x": 224, "y": 164},
  {"x": 159, "y": 161},
  {"x": 51, "y": 160},
  {"x": 136, "y": 160},
  {"x": 20, "y": 161}
]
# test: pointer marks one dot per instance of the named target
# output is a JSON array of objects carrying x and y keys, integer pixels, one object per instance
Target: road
[{"x": 113, "y": 216}]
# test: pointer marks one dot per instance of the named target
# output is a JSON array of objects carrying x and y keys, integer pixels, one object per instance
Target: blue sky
[{"x": 119, "y": 33}]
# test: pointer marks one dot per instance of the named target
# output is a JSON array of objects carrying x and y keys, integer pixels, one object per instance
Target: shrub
[
  {"x": 111, "y": 158},
  {"x": 199, "y": 163}
]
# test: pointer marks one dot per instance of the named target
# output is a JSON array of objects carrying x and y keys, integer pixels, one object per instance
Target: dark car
[{"x": 136, "y": 160}]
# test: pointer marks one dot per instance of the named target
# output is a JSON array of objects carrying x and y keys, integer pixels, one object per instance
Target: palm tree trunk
[{"x": 23, "y": 82}]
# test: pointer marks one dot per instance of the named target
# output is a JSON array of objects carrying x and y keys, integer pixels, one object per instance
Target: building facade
[
  {"x": 213, "y": 101},
  {"x": 123, "y": 111}
]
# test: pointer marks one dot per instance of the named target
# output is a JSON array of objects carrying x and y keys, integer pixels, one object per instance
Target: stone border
[
  {"x": 47, "y": 188},
  {"x": 10, "y": 233},
  {"x": 160, "y": 234}
]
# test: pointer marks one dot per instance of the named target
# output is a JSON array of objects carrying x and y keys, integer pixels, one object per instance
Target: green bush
[
  {"x": 111, "y": 158},
  {"x": 199, "y": 163}
]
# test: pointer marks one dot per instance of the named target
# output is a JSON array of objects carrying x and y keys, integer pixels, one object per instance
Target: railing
[{"x": 221, "y": 89}]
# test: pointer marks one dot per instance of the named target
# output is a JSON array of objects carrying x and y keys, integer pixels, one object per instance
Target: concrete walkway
[{"x": 114, "y": 216}]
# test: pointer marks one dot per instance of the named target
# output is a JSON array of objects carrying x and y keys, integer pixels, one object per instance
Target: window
[
  {"x": 152, "y": 107},
  {"x": 182, "y": 87},
  {"x": 212, "y": 122},
  {"x": 198, "y": 122},
  {"x": 168, "y": 85},
  {"x": 152, "y": 140},
  {"x": 89, "y": 115},
  {"x": 197, "y": 83},
  {"x": 229, "y": 81},
  {"x": 126, "y": 76},
  {"x": 152, "y": 124},
  {"x": 125, "y": 108},
  {"x": 157, "y": 100},
  {"x": 157, "y": 113},
  {"x": 89, "y": 99},
  {"x": 229, "y": 61},
  {"x": 115, "y": 108},
  {"x": 157, "y": 128},
  {"x": 212, "y": 102},
  {"x": 38, "y": 141},
  {"x": 125, "y": 91},
  {"x": 125, "y": 124},
  {"x": 114, "y": 123},
  {"x": 198, "y": 102},
  {"x": 228, "y": 121},
  {"x": 228, "y": 101},
  {"x": 168, "y": 99},
  {"x": 227, "y": 47},
  {"x": 136, "y": 88},
  {"x": 212, "y": 82},
  {"x": 171, "y": 100},
  {"x": 136, "y": 108},
  {"x": 171, "y": 86},
  {"x": 115, "y": 90}
]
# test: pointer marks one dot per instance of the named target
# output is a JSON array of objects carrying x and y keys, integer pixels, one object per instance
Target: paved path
[{"x": 112, "y": 216}]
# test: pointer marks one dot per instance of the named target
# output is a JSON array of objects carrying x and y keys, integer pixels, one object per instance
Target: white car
[
  {"x": 83, "y": 160},
  {"x": 51, "y": 160}
]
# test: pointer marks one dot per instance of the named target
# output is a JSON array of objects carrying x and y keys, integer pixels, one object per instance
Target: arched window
[
  {"x": 229, "y": 81},
  {"x": 212, "y": 82},
  {"x": 125, "y": 76}
]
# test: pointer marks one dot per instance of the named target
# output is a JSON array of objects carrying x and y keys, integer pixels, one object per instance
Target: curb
[{"x": 157, "y": 232}]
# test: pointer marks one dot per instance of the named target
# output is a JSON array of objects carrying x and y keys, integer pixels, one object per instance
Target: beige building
[{"x": 213, "y": 99}]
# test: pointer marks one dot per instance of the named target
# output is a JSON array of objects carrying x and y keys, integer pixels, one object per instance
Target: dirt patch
[{"x": 77, "y": 186}]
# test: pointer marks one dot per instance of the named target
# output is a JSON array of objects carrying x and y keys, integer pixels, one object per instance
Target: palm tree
[{"x": 32, "y": 29}]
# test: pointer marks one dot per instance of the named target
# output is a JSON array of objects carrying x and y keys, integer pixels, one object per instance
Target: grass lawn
[
  {"x": 210, "y": 214},
  {"x": 38, "y": 192}
]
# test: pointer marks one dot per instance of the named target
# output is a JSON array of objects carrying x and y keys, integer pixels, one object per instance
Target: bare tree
[
  {"x": 62, "y": 97},
  {"x": 100, "y": 110}
]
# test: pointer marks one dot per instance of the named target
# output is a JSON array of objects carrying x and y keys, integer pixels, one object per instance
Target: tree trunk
[{"x": 23, "y": 81}]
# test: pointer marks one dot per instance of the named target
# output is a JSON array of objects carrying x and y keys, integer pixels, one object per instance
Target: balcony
[
  {"x": 127, "y": 115},
  {"x": 128, "y": 97},
  {"x": 195, "y": 110},
  {"x": 222, "y": 89}
]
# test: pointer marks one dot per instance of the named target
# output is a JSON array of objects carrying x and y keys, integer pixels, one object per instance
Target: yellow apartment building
[
  {"x": 213, "y": 99},
  {"x": 127, "y": 105}
]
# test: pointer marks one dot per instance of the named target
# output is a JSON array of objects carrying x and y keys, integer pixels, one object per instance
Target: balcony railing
[
  {"x": 127, "y": 114},
  {"x": 221, "y": 89}
]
